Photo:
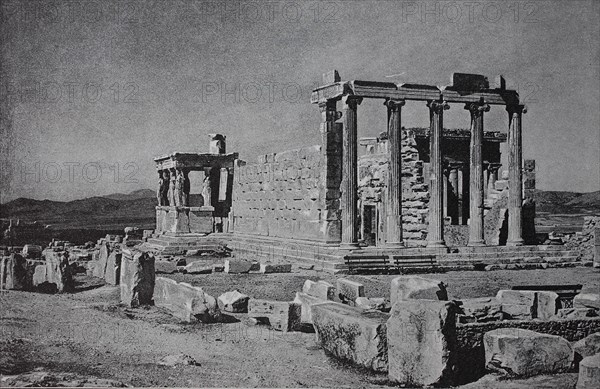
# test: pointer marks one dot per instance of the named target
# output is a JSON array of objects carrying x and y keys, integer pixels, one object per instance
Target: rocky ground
[{"x": 86, "y": 338}]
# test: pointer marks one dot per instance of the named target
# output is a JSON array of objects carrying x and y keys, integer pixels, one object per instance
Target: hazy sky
[{"x": 92, "y": 91}]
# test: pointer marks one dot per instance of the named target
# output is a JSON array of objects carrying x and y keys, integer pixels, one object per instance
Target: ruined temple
[{"x": 411, "y": 191}]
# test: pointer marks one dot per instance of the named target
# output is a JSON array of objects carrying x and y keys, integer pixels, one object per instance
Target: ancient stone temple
[
  {"x": 426, "y": 188},
  {"x": 174, "y": 215}
]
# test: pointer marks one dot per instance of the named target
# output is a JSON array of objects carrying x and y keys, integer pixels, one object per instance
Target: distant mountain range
[
  {"x": 120, "y": 210},
  {"x": 556, "y": 202}
]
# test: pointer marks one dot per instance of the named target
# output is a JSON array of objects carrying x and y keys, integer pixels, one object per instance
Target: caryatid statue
[
  {"x": 186, "y": 189},
  {"x": 179, "y": 188},
  {"x": 163, "y": 188},
  {"x": 206, "y": 189},
  {"x": 172, "y": 186}
]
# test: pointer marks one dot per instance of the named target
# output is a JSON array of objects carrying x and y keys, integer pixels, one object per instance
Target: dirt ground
[{"x": 87, "y": 333}]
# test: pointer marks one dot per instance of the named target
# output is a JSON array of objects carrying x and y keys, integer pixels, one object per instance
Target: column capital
[
  {"x": 438, "y": 106},
  {"x": 477, "y": 109},
  {"x": 351, "y": 101},
  {"x": 516, "y": 109},
  {"x": 394, "y": 105}
]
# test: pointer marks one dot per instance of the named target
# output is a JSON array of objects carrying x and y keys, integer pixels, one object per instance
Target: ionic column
[
  {"x": 394, "y": 192},
  {"x": 476, "y": 233},
  {"x": 515, "y": 175},
  {"x": 453, "y": 203},
  {"x": 349, "y": 173},
  {"x": 435, "y": 234}
]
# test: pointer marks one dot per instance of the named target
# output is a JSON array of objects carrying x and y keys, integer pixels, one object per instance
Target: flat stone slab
[
  {"x": 421, "y": 335},
  {"x": 349, "y": 291},
  {"x": 273, "y": 268},
  {"x": 306, "y": 302},
  {"x": 236, "y": 266},
  {"x": 376, "y": 303},
  {"x": 587, "y": 300},
  {"x": 481, "y": 309},
  {"x": 588, "y": 346},
  {"x": 234, "y": 301},
  {"x": 282, "y": 315},
  {"x": 525, "y": 304},
  {"x": 589, "y": 373},
  {"x": 352, "y": 334},
  {"x": 520, "y": 352},
  {"x": 165, "y": 267},
  {"x": 417, "y": 288},
  {"x": 319, "y": 289},
  {"x": 185, "y": 301},
  {"x": 198, "y": 267}
]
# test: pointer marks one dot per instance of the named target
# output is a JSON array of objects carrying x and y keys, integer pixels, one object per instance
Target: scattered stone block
[
  {"x": 184, "y": 301},
  {"x": 32, "y": 251},
  {"x": 588, "y": 346},
  {"x": 282, "y": 315},
  {"x": 165, "y": 267},
  {"x": 320, "y": 289},
  {"x": 576, "y": 313},
  {"x": 272, "y": 268},
  {"x": 518, "y": 312},
  {"x": 59, "y": 271},
  {"x": 198, "y": 267},
  {"x": 545, "y": 305},
  {"x": 103, "y": 254},
  {"x": 233, "y": 301},
  {"x": 179, "y": 359},
  {"x": 352, "y": 334},
  {"x": 255, "y": 266},
  {"x": 13, "y": 273},
  {"x": 589, "y": 373},
  {"x": 137, "y": 278},
  {"x": 421, "y": 341},
  {"x": 520, "y": 352},
  {"x": 190, "y": 253},
  {"x": 482, "y": 309},
  {"x": 587, "y": 300},
  {"x": 516, "y": 297},
  {"x": 417, "y": 288},
  {"x": 306, "y": 302},
  {"x": 376, "y": 303},
  {"x": 349, "y": 291},
  {"x": 113, "y": 268},
  {"x": 218, "y": 268},
  {"x": 235, "y": 266}
]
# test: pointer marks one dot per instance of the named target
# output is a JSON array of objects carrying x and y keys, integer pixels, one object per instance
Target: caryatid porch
[
  {"x": 175, "y": 213},
  {"x": 471, "y": 90}
]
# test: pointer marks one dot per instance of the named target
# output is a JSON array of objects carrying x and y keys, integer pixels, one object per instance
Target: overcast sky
[{"x": 97, "y": 89}]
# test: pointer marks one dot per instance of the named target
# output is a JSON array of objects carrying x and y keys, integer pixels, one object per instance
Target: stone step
[
  {"x": 508, "y": 260},
  {"x": 484, "y": 249},
  {"x": 504, "y": 254}
]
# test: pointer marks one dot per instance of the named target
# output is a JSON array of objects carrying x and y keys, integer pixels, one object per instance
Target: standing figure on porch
[
  {"x": 163, "y": 189},
  {"x": 206, "y": 190},
  {"x": 179, "y": 184},
  {"x": 172, "y": 185},
  {"x": 186, "y": 189}
]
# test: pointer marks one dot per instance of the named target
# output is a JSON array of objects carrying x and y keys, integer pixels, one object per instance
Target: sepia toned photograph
[{"x": 300, "y": 194}]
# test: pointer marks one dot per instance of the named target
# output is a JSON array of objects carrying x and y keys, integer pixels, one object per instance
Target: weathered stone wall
[
  {"x": 584, "y": 242},
  {"x": 372, "y": 188},
  {"x": 284, "y": 195},
  {"x": 471, "y": 353}
]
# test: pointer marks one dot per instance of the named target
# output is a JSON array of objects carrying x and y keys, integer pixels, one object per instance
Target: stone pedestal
[{"x": 184, "y": 220}]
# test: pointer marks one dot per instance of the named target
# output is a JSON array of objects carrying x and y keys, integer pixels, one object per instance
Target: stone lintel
[{"x": 195, "y": 161}]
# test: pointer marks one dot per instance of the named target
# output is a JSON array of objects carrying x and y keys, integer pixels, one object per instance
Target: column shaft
[
  {"x": 350, "y": 174},
  {"x": 453, "y": 203},
  {"x": 394, "y": 188},
  {"x": 476, "y": 233},
  {"x": 515, "y": 176},
  {"x": 435, "y": 233}
]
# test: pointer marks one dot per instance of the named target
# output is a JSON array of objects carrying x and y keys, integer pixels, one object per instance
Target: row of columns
[
  {"x": 477, "y": 184},
  {"x": 174, "y": 187}
]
